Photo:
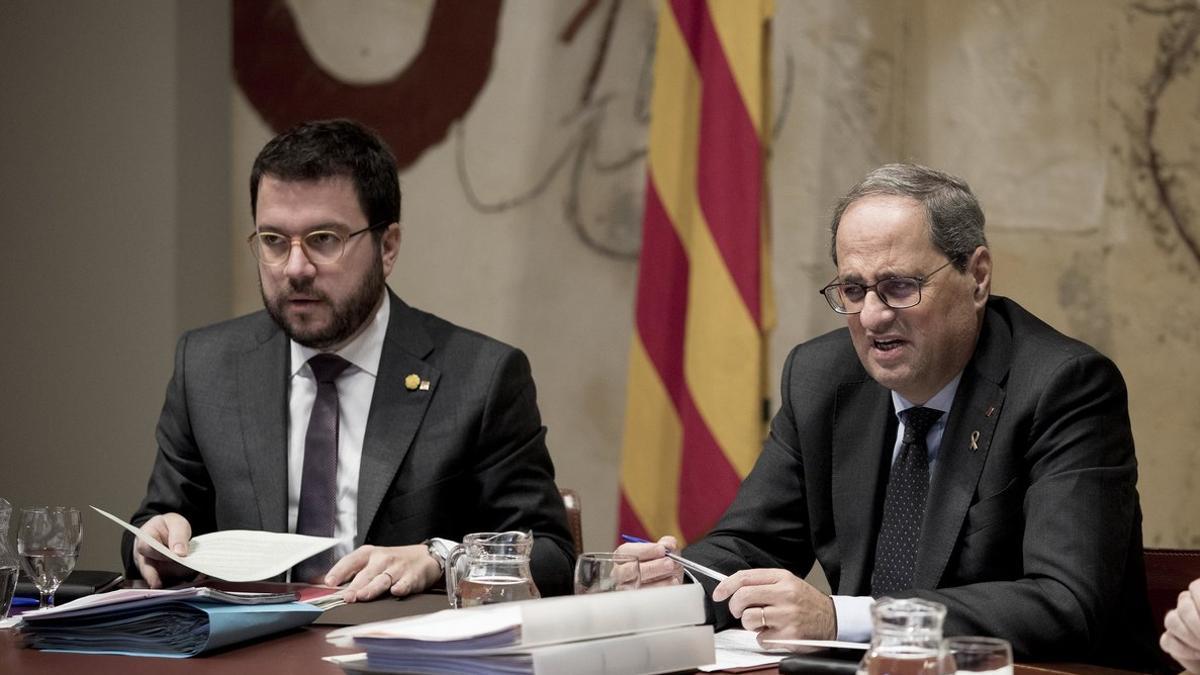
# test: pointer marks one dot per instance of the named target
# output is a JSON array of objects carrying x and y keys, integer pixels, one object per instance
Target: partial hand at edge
[
  {"x": 1182, "y": 636},
  {"x": 655, "y": 568},
  {"x": 403, "y": 570},
  {"x": 172, "y": 530},
  {"x": 778, "y": 605}
]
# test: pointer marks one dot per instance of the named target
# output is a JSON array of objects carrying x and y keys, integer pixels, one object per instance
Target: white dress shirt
[
  {"x": 854, "y": 612},
  {"x": 356, "y": 386}
]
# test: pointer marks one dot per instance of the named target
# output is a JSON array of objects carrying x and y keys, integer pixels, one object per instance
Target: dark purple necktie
[
  {"x": 904, "y": 506},
  {"x": 318, "y": 487}
]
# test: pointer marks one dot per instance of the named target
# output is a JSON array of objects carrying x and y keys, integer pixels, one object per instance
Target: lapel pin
[
  {"x": 424, "y": 385},
  {"x": 412, "y": 382},
  {"x": 975, "y": 440}
]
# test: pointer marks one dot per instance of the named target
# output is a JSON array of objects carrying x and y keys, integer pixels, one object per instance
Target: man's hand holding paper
[
  {"x": 231, "y": 555},
  {"x": 173, "y": 531}
]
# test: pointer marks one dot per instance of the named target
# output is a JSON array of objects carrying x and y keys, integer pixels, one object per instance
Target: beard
[{"x": 348, "y": 317}]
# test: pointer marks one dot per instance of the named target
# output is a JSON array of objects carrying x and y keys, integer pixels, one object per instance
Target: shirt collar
[
  {"x": 363, "y": 352},
  {"x": 942, "y": 400}
]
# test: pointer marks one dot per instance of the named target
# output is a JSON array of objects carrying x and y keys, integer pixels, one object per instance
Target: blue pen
[
  {"x": 19, "y": 601},
  {"x": 688, "y": 564}
]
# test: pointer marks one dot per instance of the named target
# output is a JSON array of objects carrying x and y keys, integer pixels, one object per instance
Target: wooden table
[{"x": 297, "y": 651}]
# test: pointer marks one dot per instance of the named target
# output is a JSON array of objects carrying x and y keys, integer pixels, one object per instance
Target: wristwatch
[{"x": 439, "y": 550}]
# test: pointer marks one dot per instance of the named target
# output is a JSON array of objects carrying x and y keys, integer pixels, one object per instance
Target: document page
[
  {"x": 738, "y": 649},
  {"x": 238, "y": 555}
]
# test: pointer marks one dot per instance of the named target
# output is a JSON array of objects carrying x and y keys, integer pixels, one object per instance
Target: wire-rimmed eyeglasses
[
  {"x": 895, "y": 292},
  {"x": 321, "y": 246}
]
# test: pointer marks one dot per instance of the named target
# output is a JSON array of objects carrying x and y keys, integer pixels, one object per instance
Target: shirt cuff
[{"x": 853, "y": 617}]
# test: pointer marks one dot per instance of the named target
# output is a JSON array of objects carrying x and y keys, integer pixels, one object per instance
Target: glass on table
[
  {"x": 970, "y": 654},
  {"x": 8, "y": 561},
  {"x": 48, "y": 539},
  {"x": 604, "y": 572}
]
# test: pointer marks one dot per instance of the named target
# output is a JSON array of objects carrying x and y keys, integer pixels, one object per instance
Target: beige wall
[
  {"x": 114, "y": 204},
  {"x": 1039, "y": 105},
  {"x": 126, "y": 151}
]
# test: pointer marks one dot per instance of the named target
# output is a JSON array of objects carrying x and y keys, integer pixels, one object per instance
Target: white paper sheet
[
  {"x": 803, "y": 646},
  {"x": 238, "y": 555},
  {"x": 737, "y": 648}
]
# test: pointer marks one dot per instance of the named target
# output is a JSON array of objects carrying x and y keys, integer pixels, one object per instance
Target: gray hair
[{"x": 951, "y": 211}]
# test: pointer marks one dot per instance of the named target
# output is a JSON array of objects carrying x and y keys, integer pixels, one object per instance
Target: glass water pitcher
[
  {"x": 907, "y": 638},
  {"x": 490, "y": 567}
]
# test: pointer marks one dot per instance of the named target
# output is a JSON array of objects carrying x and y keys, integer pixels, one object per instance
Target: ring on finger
[
  {"x": 391, "y": 579},
  {"x": 762, "y": 619}
]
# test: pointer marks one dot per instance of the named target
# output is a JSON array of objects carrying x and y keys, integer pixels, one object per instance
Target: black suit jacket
[
  {"x": 467, "y": 455},
  {"x": 1032, "y": 528}
]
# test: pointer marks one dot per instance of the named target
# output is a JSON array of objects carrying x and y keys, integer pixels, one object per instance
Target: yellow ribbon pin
[{"x": 412, "y": 382}]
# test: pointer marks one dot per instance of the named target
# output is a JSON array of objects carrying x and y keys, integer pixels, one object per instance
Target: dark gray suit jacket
[
  {"x": 468, "y": 455},
  {"x": 1034, "y": 534}
]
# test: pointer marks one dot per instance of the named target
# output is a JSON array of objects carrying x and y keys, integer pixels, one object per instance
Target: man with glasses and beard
[
  {"x": 340, "y": 411},
  {"x": 945, "y": 445}
]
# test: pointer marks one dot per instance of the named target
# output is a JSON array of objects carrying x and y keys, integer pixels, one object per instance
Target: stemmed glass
[{"x": 48, "y": 543}]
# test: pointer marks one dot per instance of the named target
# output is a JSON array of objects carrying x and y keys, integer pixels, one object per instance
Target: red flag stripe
[
  {"x": 630, "y": 523},
  {"x": 728, "y": 146},
  {"x": 662, "y": 294},
  {"x": 707, "y": 480}
]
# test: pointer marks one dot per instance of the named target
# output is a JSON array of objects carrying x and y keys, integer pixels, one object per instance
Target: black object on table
[
  {"x": 80, "y": 583},
  {"x": 824, "y": 661}
]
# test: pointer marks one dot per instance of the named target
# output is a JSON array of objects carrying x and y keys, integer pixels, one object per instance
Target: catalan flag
[{"x": 694, "y": 422}]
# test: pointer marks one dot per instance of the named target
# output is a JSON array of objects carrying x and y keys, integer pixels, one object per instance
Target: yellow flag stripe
[
  {"x": 740, "y": 31},
  {"x": 652, "y": 447}
]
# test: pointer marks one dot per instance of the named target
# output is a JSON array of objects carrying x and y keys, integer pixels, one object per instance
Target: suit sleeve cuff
[{"x": 853, "y": 617}]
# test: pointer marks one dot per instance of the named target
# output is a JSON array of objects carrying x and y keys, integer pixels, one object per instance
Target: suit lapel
[
  {"x": 964, "y": 449},
  {"x": 396, "y": 411},
  {"x": 263, "y": 401},
  {"x": 857, "y": 462}
]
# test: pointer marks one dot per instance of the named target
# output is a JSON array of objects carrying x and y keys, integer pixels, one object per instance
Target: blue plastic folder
[{"x": 164, "y": 627}]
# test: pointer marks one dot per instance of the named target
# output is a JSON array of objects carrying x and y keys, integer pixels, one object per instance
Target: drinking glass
[
  {"x": 48, "y": 542},
  {"x": 979, "y": 655},
  {"x": 603, "y": 572}
]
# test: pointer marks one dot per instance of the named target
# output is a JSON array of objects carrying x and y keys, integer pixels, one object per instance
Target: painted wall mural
[
  {"x": 413, "y": 110},
  {"x": 521, "y": 127}
]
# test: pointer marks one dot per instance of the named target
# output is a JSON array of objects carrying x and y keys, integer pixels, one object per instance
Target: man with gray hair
[{"x": 946, "y": 444}]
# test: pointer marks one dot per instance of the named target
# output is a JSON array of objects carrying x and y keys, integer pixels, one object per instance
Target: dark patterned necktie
[
  {"x": 318, "y": 486},
  {"x": 904, "y": 506}
]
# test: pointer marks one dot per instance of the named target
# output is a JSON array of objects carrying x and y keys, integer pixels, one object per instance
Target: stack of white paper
[{"x": 644, "y": 631}]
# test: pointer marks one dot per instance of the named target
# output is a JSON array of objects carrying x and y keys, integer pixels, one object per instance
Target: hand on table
[
  {"x": 778, "y": 605},
  {"x": 655, "y": 568},
  {"x": 1182, "y": 637},
  {"x": 374, "y": 570},
  {"x": 173, "y": 531}
]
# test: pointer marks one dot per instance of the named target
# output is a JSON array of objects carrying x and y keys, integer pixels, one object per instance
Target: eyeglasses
[
  {"x": 896, "y": 292},
  {"x": 321, "y": 246}
]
